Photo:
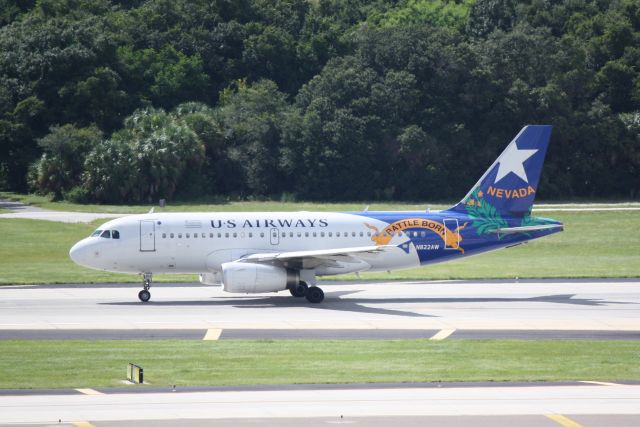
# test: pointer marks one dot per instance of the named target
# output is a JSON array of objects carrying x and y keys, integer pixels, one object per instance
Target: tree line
[{"x": 132, "y": 100}]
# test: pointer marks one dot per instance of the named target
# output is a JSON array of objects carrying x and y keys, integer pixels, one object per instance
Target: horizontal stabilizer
[{"x": 528, "y": 228}]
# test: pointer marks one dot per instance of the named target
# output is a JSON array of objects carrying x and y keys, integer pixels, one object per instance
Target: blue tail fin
[{"x": 509, "y": 186}]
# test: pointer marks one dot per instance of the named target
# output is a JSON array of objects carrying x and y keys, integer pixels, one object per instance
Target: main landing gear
[
  {"x": 144, "y": 294},
  {"x": 313, "y": 294}
]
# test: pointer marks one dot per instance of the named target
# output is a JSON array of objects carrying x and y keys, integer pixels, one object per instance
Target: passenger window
[
  {"x": 361, "y": 234},
  {"x": 204, "y": 235},
  {"x": 330, "y": 235},
  {"x": 415, "y": 234},
  {"x": 291, "y": 234},
  {"x": 250, "y": 235},
  {"x": 322, "y": 234},
  {"x": 106, "y": 234},
  {"x": 261, "y": 234},
  {"x": 242, "y": 235},
  {"x": 179, "y": 235},
  {"x": 226, "y": 235},
  {"x": 306, "y": 234},
  {"x": 337, "y": 234},
  {"x": 353, "y": 234},
  {"x": 368, "y": 234},
  {"x": 211, "y": 235},
  {"x": 315, "y": 234},
  {"x": 171, "y": 235},
  {"x": 219, "y": 235},
  {"x": 235, "y": 235},
  {"x": 115, "y": 234},
  {"x": 284, "y": 234},
  {"x": 195, "y": 235},
  {"x": 186, "y": 236},
  {"x": 423, "y": 233},
  {"x": 164, "y": 235}
]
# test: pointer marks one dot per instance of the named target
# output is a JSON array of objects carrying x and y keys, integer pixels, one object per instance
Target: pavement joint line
[
  {"x": 88, "y": 391},
  {"x": 442, "y": 334},
  {"x": 562, "y": 420},
  {"x": 602, "y": 383},
  {"x": 82, "y": 424},
  {"x": 212, "y": 335}
]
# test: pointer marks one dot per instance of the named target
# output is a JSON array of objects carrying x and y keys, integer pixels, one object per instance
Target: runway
[
  {"x": 541, "y": 405},
  {"x": 542, "y": 308}
]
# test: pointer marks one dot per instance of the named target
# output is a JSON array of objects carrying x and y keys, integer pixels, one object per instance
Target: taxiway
[{"x": 540, "y": 306}]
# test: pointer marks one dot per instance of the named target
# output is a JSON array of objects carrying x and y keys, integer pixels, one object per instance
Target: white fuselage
[{"x": 202, "y": 242}]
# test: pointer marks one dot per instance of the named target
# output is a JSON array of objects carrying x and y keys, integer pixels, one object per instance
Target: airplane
[{"x": 257, "y": 252}]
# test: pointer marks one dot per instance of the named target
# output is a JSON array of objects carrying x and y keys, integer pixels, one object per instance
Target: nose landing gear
[{"x": 144, "y": 295}]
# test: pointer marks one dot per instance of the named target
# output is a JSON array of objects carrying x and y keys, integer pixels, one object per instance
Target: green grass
[
  {"x": 64, "y": 364},
  {"x": 218, "y": 206},
  {"x": 594, "y": 244},
  {"x": 34, "y": 251}
]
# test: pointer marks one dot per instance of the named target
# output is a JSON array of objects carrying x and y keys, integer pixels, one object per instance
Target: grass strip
[
  {"x": 79, "y": 363},
  {"x": 594, "y": 244},
  {"x": 219, "y": 205}
]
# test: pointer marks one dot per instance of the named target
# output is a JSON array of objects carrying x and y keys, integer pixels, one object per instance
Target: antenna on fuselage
[{"x": 151, "y": 210}]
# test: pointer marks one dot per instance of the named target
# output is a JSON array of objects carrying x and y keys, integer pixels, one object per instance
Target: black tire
[
  {"x": 144, "y": 295},
  {"x": 315, "y": 295},
  {"x": 300, "y": 290}
]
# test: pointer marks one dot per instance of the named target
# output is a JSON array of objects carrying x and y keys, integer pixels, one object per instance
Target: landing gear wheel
[
  {"x": 299, "y": 290},
  {"x": 314, "y": 295},
  {"x": 144, "y": 295}
]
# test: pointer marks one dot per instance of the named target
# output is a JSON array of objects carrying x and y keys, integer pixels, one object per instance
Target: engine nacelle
[{"x": 248, "y": 278}]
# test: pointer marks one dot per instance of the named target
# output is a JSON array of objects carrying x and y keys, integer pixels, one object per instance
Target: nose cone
[{"x": 80, "y": 253}]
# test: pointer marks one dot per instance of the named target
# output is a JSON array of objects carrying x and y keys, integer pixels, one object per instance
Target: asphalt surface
[
  {"x": 534, "y": 405},
  {"x": 313, "y": 334},
  {"x": 413, "y": 308}
]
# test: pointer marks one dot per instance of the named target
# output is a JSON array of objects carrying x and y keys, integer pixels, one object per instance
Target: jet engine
[{"x": 243, "y": 277}]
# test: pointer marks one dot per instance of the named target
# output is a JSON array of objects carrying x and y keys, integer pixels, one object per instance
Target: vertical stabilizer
[{"x": 509, "y": 186}]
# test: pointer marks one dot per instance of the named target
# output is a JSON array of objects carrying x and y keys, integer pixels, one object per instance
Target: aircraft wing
[
  {"x": 316, "y": 258},
  {"x": 527, "y": 228}
]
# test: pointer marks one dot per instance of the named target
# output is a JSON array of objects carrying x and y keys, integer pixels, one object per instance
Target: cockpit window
[
  {"x": 115, "y": 234},
  {"x": 96, "y": 233},
  {"x": 106, "y": 234}
]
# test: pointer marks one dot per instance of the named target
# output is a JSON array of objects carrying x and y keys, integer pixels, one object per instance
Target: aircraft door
[
  {"x": 147, "y": 236},
  {"x": 275, "y": 236},
  {"x": 451, "y": 236}
]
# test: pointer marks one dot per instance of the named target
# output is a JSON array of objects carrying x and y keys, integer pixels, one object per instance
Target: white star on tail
[{"x": 512, "y": 161}]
